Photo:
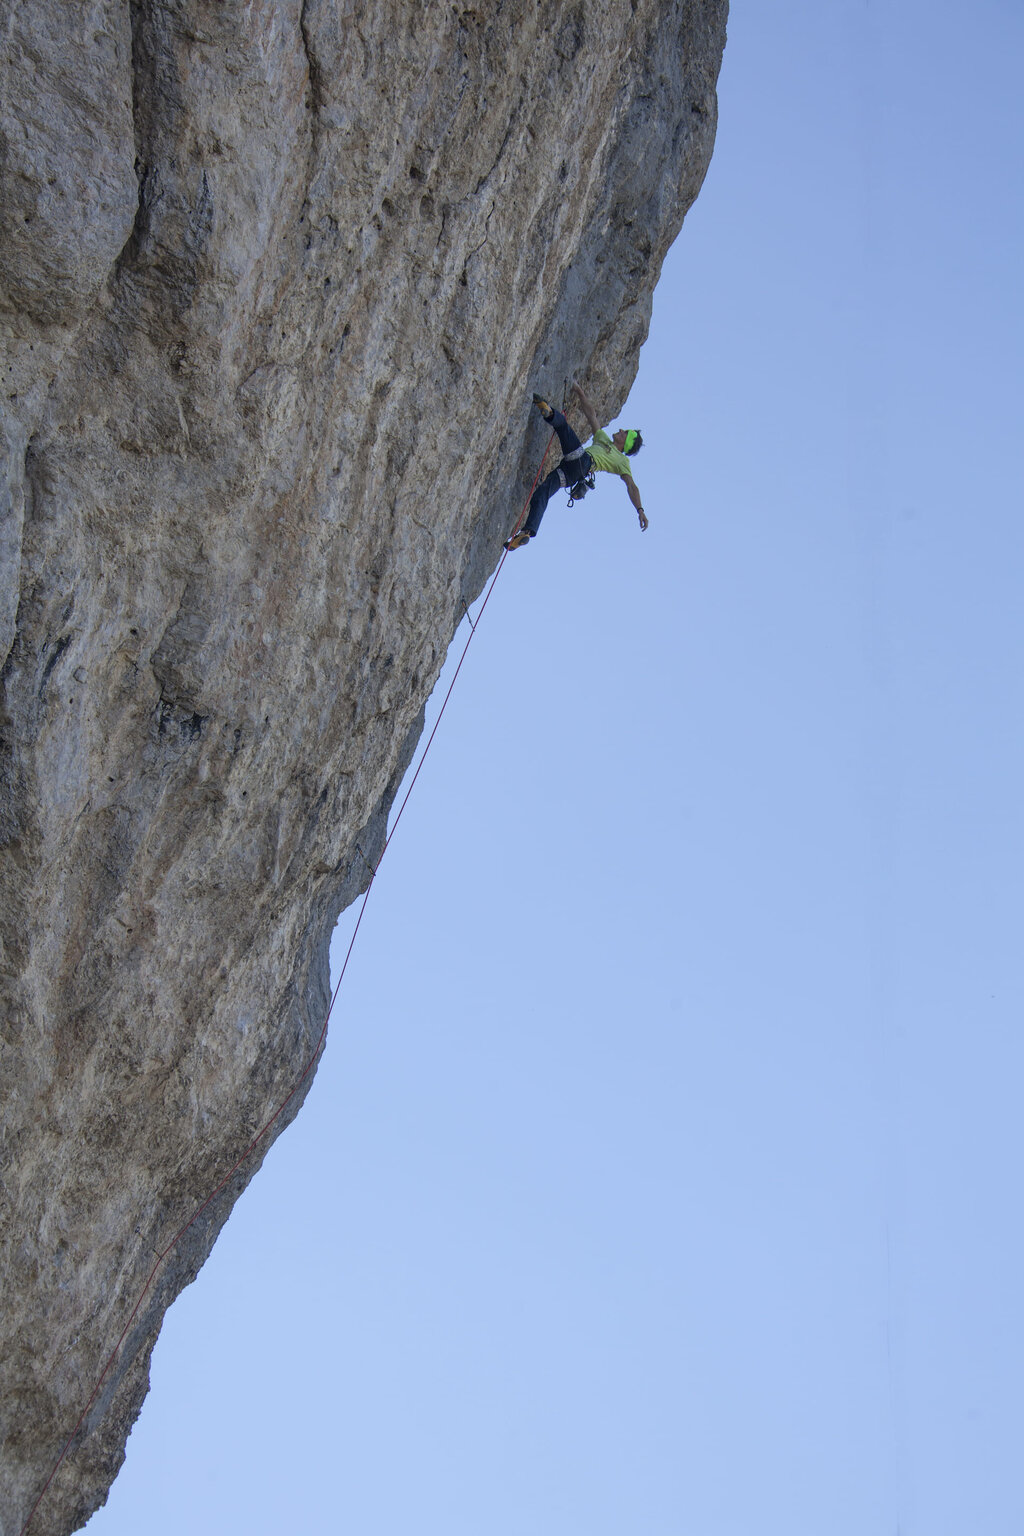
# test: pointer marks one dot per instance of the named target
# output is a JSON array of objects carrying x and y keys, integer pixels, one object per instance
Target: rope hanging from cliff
[{"x": 321, "y": 1039}]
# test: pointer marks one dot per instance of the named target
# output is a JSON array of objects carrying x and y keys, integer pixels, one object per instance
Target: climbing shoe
[
  {"x": 543, "y": 407},
  {"x": 519, "y": 539}
]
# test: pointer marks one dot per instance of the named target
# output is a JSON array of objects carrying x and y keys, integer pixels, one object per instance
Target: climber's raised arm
[{"x": 587, "y": 408}]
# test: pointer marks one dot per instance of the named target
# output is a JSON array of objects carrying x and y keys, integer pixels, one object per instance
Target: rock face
[{"x": 276, "y": 280}]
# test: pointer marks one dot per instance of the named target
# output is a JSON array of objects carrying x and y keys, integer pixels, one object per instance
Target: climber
[{"x": 575, "y": 473}]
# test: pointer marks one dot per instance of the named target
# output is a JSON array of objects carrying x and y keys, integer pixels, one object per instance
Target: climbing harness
[
  {"x": 321, "y": 1040},
  {"x": 576, "y": 474}
]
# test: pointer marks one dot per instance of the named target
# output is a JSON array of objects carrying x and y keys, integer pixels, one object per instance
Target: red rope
[{"x": 262, "y": 1132}]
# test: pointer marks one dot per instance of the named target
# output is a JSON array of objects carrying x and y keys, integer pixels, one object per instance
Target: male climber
[{"x": 611, "y": 454}]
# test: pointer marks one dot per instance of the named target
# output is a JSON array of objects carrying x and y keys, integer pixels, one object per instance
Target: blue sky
[{"x": 662, "y": 1172}]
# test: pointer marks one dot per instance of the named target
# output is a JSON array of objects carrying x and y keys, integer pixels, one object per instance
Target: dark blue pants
[{"x": 575, "y": 464}]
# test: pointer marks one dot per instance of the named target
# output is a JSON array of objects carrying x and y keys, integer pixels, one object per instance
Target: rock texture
[{"x": 276, "y": 280}]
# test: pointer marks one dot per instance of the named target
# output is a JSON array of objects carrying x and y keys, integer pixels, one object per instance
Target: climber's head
[{"x": 628, "y": 442}]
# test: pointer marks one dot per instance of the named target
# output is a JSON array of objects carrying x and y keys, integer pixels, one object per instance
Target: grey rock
[{"x": 277, "y": 282}]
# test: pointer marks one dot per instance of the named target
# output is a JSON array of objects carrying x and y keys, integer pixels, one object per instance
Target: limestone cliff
[{"x": 276, "y": 280}]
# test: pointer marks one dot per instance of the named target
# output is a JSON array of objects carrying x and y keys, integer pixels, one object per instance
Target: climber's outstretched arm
[{"x": 634, "y": 496}]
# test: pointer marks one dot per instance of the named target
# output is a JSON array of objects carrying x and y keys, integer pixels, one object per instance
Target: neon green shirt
[{"x": 605, "y": 455}]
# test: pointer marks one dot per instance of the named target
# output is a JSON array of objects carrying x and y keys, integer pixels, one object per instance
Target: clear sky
[{"x": 662, "y": 1176}]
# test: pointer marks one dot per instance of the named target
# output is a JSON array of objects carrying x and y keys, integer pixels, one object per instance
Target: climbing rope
[{"x": 321, "y": 1039}]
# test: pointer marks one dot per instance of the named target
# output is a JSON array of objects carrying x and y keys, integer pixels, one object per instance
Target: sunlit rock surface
[{"x": 276, "y": 282}]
